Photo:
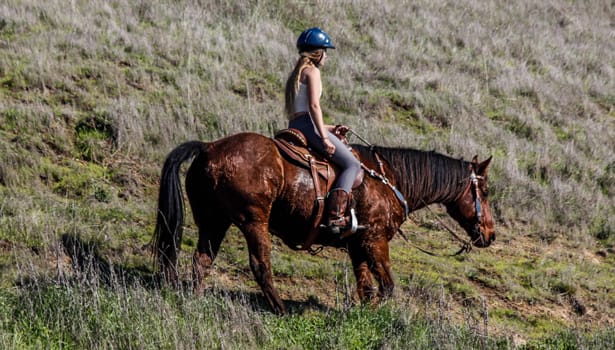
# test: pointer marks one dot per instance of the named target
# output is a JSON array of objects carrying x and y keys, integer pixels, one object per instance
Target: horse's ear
[
  {"x": 474, "y": 164},
  {"x": 483, "y": 168}
]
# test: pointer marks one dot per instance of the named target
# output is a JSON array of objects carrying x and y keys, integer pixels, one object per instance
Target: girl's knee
[{"x": 355, "y": 166}]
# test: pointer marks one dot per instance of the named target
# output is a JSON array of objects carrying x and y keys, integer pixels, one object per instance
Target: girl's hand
[
  {"x": 340, "y": 130},
  {"x": 329, "y": 146}
]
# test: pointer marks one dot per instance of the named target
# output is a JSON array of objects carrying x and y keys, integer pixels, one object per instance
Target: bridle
[
  {"x": 466, "y": 246},
  {"x": 477, "y": 205},
  {"x": 473, "y": 186}
]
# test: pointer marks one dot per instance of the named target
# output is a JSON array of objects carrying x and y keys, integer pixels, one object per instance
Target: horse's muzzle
[{"x": 480, "y": 241}]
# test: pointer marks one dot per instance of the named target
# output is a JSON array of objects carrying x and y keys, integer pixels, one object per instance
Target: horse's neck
[
  {"x": 417, "y": 202},
  {"x": 425, "y": 185},
  {"x": 422, "y": 177}
]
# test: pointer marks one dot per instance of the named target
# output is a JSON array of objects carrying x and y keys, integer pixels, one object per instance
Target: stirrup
[
  {"x": 345, "y": 231},
  {"x": 354, "y": 225},
  {"x": 333, "y": 229}
]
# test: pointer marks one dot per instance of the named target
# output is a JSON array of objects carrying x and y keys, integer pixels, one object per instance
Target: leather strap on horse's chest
[
  {"x": 380, "y": 165},
  {"x": 381, "y": 177}
]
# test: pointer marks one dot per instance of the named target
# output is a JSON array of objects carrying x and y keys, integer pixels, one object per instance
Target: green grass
[{"x": 67, "y": 314}]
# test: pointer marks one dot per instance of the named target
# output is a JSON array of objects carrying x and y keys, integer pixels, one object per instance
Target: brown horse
[{"x": 245, "y": 181}]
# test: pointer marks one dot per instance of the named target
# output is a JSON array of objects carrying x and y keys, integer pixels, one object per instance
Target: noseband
[{"x": 477, "y": 206}]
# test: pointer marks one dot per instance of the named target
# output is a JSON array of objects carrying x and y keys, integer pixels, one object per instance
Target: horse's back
[{"x": 243, "y": 142}]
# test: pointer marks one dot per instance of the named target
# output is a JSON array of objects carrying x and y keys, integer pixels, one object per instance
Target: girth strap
[
  {"x": 293, "y": 146},
  {"x": 317, "y": 170},
  {"x": 319, "y": 207}
]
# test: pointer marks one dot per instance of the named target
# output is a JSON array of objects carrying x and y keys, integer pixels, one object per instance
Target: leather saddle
[{"x": 294, "y": 147}]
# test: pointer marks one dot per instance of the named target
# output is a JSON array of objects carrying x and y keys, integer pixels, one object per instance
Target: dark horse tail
[{"x": 170, "y": 219}]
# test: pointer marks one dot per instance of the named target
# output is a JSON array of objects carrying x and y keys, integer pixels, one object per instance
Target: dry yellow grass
[{"x": 93, "y": 94}]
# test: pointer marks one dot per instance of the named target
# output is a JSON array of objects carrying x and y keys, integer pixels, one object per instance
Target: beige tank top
[{"x": 302, "y": 101}]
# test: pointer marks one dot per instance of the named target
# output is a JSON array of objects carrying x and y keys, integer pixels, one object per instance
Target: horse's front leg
[
  {"x": 363, "y": 275},
  {"x": 380, "y": 264},
  {"x": 259, "y": 246},
  {"x": 371, "y": 259}
]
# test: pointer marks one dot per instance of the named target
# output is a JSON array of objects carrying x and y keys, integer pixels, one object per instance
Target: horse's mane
[{"x": 422, "y": 176}]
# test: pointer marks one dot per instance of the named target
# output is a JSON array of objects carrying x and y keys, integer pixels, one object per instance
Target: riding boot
[{"x": 337, "y": 202}]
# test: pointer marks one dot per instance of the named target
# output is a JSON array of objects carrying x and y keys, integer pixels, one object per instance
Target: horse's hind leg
[
  {"x": 259, "y": 246},
  {"x": 212, "y": 230},
  {"x": 211, "y": 221}
]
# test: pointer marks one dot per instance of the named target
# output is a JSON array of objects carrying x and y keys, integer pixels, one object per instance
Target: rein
[{"x": 466, "y": 245}]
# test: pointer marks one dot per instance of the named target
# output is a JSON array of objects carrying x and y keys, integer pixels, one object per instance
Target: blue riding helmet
[{"x": 314, "y": 38}]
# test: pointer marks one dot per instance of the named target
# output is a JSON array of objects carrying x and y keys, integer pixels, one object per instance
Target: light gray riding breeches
[{"x": 342, "y": 157}]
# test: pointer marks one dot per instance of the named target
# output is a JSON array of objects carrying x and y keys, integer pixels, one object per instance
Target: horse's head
[{"x": 471, "y": 210}]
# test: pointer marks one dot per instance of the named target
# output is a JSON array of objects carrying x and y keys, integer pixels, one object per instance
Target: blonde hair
[{"x": 306, "y": 59}]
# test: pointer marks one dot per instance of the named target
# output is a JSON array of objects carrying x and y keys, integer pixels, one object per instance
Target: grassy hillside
[{"x": 94, "y": 94}]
